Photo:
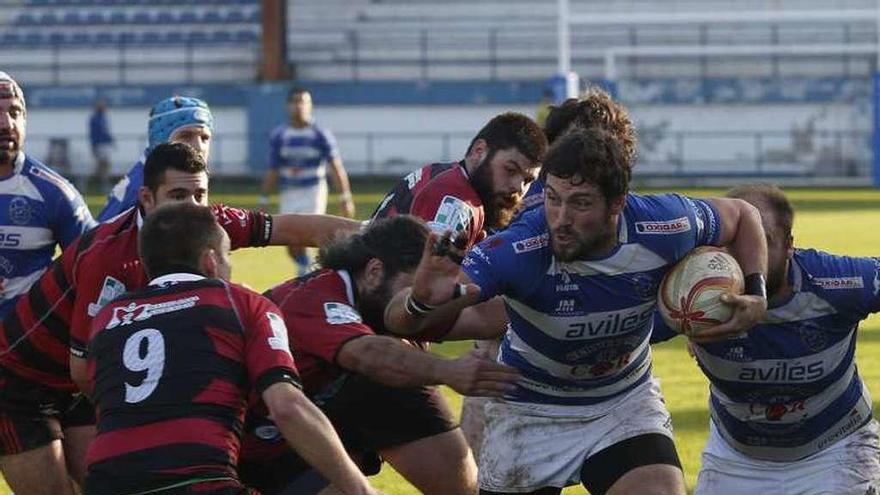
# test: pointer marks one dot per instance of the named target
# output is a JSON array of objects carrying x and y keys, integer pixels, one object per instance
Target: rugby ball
[{"x": 689, "y": 297}]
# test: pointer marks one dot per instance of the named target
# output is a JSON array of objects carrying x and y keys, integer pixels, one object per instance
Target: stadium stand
[
  {"x": 112, "y": 31},
  {"x": 433, "y": 39}
]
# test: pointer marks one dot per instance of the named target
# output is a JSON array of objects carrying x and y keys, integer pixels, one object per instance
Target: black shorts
[
  {"x": 368, "y": 417},
  {"x": 601, "y": 470},
  {"x": 371, "y": 417},
  {"x": 32, "y": 415}
]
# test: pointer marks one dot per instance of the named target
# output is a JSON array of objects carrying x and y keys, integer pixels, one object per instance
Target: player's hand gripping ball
[{"x": 689, "y": 298}]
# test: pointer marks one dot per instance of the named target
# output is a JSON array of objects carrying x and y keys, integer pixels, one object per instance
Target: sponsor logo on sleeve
[
  {"x": 339, "y": 314},
  {"x": 278, "y": 340},
  {"x": 531, "y": 243},
  {"x": 833, "y": 283},
  {"x": 676, "y": 226},
  {"x": 452, "y": 214},
  {"x": 111, "y": 289}
]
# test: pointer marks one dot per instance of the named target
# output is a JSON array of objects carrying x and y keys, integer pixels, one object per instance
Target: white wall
[
  {"x": 414, "y": 135},
  {"x": 129, "y": 128}
]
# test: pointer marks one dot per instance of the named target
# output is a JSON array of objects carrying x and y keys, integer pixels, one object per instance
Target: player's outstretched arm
[
  {"x": 391, "y": 362},
  {"x": 294, "y": 229},
  {"x": 440, "y": 291},
  {"x": 310, "y": 433},
  {"x": 743, "y": 234}
]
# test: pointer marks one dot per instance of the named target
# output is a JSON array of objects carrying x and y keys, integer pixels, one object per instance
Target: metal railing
[{"x": 840, "y": 153}]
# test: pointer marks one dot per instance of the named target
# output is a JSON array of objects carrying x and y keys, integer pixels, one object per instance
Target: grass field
[{"x": 841, "y": 221}]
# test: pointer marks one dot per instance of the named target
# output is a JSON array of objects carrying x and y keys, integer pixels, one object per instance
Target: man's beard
[
  {"x": 372, "y": 306},
  {"x": 7, "y": 155},
  {"x": 775, "y": 281},
  {"x": 498, "y": 208},
  {"x": 581, "y": 247}
]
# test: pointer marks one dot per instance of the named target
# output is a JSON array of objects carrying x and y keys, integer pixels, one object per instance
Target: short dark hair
[
  {"x": 296, "y": 90},
  {"x": 397, "y": 242},
  {"x": 764, "y": 196},
  {"x": 595, "y": 108},
  {"x": 175, "y": 235},
  {"x": 513, "y": 130},
  {"x": 591, "y": 155},
  {"x": 176, "y": 156}
]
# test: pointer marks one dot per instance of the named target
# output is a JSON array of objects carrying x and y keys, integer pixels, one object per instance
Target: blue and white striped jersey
[
  {"x": 579, "y": 330},
  {"x": 790, "y": 387},
  {"x": 124, "y": 194},
  {"x": 38, "y": 209},
  {"x": 300, "y": 154}
]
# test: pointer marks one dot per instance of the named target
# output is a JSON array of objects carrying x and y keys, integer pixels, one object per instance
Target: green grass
[{"x": 842, "y": 221}]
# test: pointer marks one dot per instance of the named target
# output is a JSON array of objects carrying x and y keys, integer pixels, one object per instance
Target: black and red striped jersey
[
  {"x": 322, "y": 315},
  {"x": 52, "y": 319},
  {"x": 174, "y": 366},
  {"x": 440, "y": 194}
]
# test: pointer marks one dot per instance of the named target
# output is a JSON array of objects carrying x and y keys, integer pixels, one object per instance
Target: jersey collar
[
  {"x": 349, "y": 285},
  {"x": 174, "y": 278}
]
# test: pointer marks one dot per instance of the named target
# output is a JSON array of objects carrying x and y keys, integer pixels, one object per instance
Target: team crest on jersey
[
  {"x": 531, "y": 244},
  {"x": 20, "y": 211},
  {"x": 278, "y": 340},
  {"x": 125, "y": 315},
  {"x": 814, "y": 338},
  {"x": 676, "y": 226},
  {"x": 111, "y": 290},
  {"x": 339, "y": 314},
  {"x": 833, "y": 283},
  {"x": 452, "y": 214}
]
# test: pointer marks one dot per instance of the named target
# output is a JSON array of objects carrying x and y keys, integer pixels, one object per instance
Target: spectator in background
[
  {"x": 179, "y": 119},
  {"x": 102, "y": 142},
  {"x": 298, "y": 155}
]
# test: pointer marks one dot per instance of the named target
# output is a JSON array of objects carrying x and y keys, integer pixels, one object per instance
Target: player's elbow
[{"x": 288, "y": 408}]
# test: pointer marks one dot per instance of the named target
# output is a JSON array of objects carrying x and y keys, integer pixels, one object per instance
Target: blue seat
[
  {"x": 223, "y": 36},
  {"x": 80, "y": 38},
  {"x": 254, "y": 16},
  {"x": 175, "y": 37},
  {"x": 11, "y": 38},
  {"x": 33, "y": 38},
  {"x": 164, "y": 17},
  {"x": 71, "y": 18},
  {"x": 25, "y": 19},
  {"x": 105, "y": 38},
  {"x": 48, "y": 19},
  {"x": 125, "y": 38},
  {"x": 198, "y": 37},
  {"x": 234, "y": 16},
  {"x": 141, "y": 17},
  {"x": 212, "y": 17},
  {"x": 188, "y": 17},
  {"x": 245, "y": 36},
  {"x": 117, "y": 18},
  {"x": 150, "y": 38},
  {"x": 57, "y": 38},
  {"x": 95, "y": 18}
]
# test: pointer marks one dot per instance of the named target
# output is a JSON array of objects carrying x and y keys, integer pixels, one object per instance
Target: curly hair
[
  {"x": 589, "y": 155},
  {"x": 396, "y": 241},
  {"x": 595, "y": 108}
]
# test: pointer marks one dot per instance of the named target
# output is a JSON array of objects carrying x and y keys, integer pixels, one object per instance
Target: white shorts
[
  {"x": 102, "y": 151},
  {"x": 849, "y": 467},
  {"x": 530, "y": 446},
  {"x": 309, "y": 199}
]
